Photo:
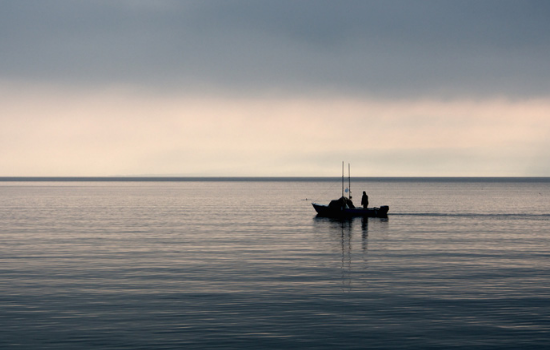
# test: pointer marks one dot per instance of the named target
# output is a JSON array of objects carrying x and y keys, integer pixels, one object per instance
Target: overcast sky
[{"x": 274, "y": 88}]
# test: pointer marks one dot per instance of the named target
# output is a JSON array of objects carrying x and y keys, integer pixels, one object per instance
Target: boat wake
[{"x": 479, "y": 215}]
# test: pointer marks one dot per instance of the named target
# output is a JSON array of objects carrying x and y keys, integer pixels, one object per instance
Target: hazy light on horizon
[{"x": 128, "y": 132}]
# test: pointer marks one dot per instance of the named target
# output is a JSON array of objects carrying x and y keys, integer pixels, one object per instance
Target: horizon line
[{"x": 255, "y": 178}]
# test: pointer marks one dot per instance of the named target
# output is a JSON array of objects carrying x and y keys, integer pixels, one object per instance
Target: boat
[
  {"x": 345, "y": 211},
  {"x": 344, "y": 208}
]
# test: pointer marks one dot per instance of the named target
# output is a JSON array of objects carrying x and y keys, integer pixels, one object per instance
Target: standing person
[{"x": 365, "y": 200}]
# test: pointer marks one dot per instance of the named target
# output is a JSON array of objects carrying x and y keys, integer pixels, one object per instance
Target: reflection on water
[{"x": 348, "y": 235}]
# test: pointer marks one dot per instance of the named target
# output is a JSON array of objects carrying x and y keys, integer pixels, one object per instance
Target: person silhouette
[{"x": 365, "y": 200}]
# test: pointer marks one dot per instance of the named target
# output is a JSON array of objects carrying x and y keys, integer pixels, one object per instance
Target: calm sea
[{"x": 458, "y": 264}]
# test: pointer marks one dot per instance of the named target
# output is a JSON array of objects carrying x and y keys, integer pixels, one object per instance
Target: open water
[{"x": 458, "y": 264}]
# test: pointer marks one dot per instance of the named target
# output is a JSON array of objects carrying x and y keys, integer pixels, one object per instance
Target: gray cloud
[{"x": 386, "y": 48}]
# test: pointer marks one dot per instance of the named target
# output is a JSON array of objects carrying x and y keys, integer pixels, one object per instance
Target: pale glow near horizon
[{"x": 49, "y": 131}]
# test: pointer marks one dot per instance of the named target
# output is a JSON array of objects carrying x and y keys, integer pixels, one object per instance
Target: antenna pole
[
  {"x": 342, "y": 179},
  {"x": 349, "y": 182}
]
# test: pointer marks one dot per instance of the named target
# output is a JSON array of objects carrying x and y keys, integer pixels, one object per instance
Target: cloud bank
[{"x": 402, "y": 49}]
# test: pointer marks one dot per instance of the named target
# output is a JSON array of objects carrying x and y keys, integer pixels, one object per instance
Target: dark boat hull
[{"x": 325, "y": 210}]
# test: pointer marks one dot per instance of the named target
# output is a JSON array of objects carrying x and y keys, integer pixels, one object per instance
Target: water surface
[{"x": 247, "y": 264}]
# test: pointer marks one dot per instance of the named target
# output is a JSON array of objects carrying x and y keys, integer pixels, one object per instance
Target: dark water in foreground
[{"x": 247, "y": 265}]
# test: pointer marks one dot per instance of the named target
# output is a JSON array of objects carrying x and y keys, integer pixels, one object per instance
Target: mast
[
  {"x": 342, "y": 178},
  {"x": 349, "y": 182}
]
